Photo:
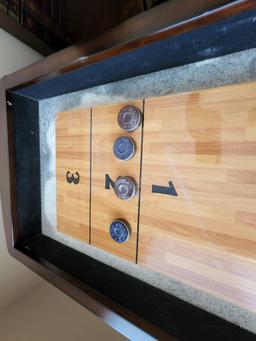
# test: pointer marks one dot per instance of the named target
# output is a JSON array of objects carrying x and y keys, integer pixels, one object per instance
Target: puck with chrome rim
[
  {"x": 125, "y": 188},
  {"x": 129, "y": 118},
  {"x": 124, "y": 148},
  {"x": 120, "y": 230}
]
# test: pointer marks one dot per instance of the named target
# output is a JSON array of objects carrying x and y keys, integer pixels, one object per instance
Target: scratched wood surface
[
  {"x": 105, "y": 205},
  {"x": 73, "y": 155},
  {"x": 205, "y": 143}
]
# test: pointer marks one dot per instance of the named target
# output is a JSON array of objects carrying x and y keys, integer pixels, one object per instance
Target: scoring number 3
[{"x": 73, "y": 178}]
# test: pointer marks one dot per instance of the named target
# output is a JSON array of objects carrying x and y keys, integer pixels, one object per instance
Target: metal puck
[
  {"x": 129, "y": 118},
  {"x": 120, "y": 230},
  {"x": 125, "y": 188},
  {"x": 124, "y": 148}
]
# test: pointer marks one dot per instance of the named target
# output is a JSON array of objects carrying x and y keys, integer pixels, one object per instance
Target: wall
[
  {"x": 14, "y": 55},
  {"x": 15, "y": 279},
  {"x": 47, "y": 314}
]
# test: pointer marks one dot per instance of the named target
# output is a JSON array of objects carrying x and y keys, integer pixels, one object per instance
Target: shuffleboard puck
[
  {"x": 124, "y": 148},
  {"x": 125, "y": 188},
  {"x": 119, "y": 230},
  {"x": 129, "y": 118}
]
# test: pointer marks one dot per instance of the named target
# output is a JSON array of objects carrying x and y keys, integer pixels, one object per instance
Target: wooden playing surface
[
  {"x": 106, "y": 206},
  {"x": 205, "y": 143},
  {"x": 197, "y": 209},
  {"x": 73, "y": 155}
]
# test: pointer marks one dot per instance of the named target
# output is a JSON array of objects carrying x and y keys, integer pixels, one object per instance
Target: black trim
[
  {"x": 90, "y": 192},
  {"x": 140, "y": 179},
  {"x": 222, "y": 37},
  {"x": 176, "y": 317},
  {"x": 24, "y": 118}
]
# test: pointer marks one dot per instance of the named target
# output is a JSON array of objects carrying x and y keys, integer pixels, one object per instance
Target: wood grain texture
[
  {"x": 73, "y": 154},
  {"x": 205, "y": 143},
  {"x": 105, "y": 205}
]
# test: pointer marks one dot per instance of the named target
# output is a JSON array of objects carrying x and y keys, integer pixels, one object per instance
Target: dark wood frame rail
[{"x": 167, "y": 20}]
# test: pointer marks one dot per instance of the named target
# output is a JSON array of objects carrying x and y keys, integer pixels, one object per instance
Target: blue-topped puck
[
  {"x": 124, "y": 148},
  {"x": 119, "y": 230}
]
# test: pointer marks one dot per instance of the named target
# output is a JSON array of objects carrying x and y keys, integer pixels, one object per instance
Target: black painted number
[
  {"x": 168, "y": 190},
  {"x": 73, "y": 178},
  {"x": 108, "y": 182}
]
